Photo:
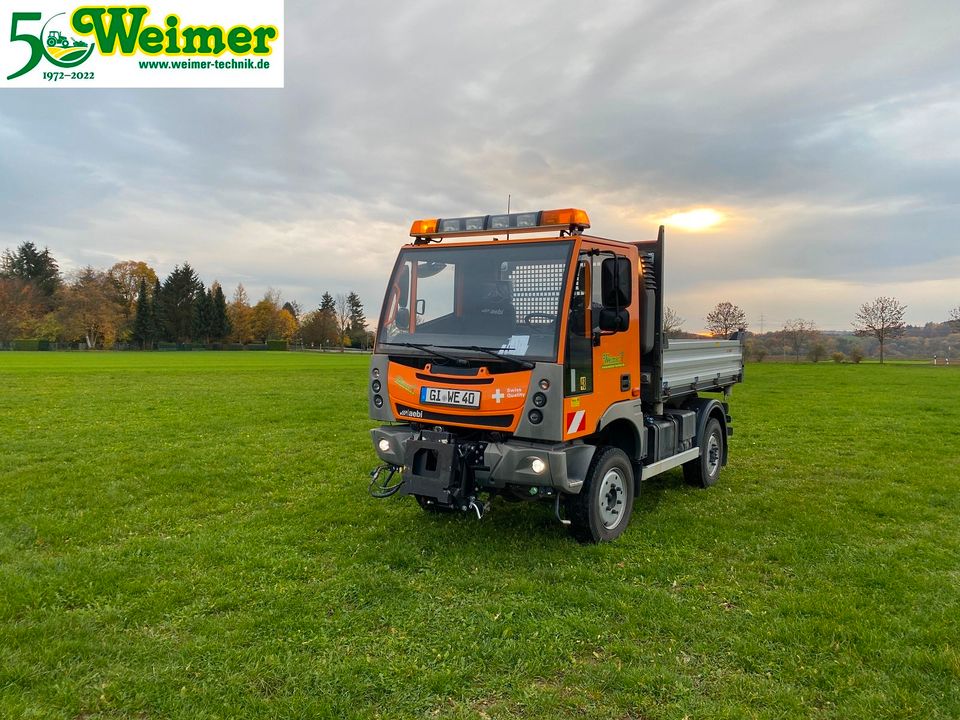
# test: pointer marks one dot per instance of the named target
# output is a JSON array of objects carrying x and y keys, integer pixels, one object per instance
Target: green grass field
[{"x": 188, "y": 535}]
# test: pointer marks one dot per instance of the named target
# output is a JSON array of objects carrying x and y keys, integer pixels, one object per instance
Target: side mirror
[
  {"x": 402, "y": 319},
  {"x": 613, "y": 320},
  {"x": 616, "y": 287},
  {"x": 421, "y": 306}
]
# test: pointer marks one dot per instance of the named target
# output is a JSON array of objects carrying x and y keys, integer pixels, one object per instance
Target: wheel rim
[
  {"x": 612, "y": 495},
  {"x": 713, "y": 454}
]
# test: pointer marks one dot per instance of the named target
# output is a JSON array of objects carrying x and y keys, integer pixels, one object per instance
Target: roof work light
[{"x": 565, "y": 219}]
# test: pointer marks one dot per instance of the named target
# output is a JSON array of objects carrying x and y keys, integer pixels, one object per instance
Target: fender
[{"x": 707, "y": 408}]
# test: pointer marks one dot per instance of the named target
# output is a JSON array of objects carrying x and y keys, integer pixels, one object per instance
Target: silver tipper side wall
[{"x": 691, "y": 365}]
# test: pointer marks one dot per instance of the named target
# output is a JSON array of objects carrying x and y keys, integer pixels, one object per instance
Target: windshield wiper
[
  {"x": 493, "y": 352},
  {"x": 429, "y": 348}
]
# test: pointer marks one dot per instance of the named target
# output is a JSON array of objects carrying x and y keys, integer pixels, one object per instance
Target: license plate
[{"x": 449, "y": 396}]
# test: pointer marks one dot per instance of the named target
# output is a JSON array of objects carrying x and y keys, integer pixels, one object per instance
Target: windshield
[{"x": 503, "y": 297}]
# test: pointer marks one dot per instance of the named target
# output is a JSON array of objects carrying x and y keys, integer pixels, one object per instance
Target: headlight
[
  {"x": 538, "y": 465},
  {"x": 384, "y": 445},
  {"x": 539, "y": 399},
  {"x": 375, "y": 385},
  {"x": 378, "y": 401},
  {"x": 376, "y": 372},
  {"x": 535, "y": 416}
]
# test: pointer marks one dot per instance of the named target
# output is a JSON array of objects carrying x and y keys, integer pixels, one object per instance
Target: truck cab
[{"x": 518, "y": 356}]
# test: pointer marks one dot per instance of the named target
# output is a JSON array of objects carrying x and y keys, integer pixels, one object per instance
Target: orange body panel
[
  {"x": 617, "y": 354},
  {"x": 502, "y": 397}
]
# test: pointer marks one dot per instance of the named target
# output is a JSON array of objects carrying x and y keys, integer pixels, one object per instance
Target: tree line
[
  {"x": 128, "y": 303},
  {"x": 880, "y": 320}
]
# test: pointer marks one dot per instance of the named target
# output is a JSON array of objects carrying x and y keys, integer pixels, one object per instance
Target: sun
[{"x": 696, "y": 220}]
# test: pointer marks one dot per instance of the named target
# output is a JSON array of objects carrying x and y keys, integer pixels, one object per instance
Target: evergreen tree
[
  {"x": 358, "y": 323},
  {"x": 202, "y": 315},
  {"x": 220, "y": 323},
  {"x": 156, "y": 315},
  {"x": 142, "y": 322},
  {"x": 328, "y": 320},
  {"x": 33, "y": 265},
  {"x": 179, "y": 293}
]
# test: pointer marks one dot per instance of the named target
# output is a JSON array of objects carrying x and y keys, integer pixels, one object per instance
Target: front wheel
[
  {"x": 601, "y": 512},
  {"x": 704, "y": 471}
]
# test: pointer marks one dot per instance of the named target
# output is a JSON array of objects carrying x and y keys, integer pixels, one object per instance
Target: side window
[
  {"x": 578, "y": 367},
  {"x": 435, "y": 291}
]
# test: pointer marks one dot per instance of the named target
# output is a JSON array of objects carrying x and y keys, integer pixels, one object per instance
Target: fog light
[
  {"x": 538, "y": 465},
  {"x": 539, "y": 399},
  {"x": 375, "y": 385},
  {"x": 378, "y": 401},
  {"x": 384, "y": 445},
  {"x": 544, "y": 384},
  {"x": 376, "y": 372},
  {"x": 535, "y": 416}
]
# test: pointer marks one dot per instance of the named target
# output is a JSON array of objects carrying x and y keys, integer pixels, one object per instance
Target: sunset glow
[{"x": 696, "y": 220}]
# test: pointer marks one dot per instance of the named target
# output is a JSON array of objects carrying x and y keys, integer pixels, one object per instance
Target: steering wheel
[{"x": 529, "y": 316}]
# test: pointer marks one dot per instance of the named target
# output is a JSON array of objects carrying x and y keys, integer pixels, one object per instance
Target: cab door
[{"x": 602, "y": 351}]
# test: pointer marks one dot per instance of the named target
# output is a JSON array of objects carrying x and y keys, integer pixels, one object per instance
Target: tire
[
  {"x": 602, "y": 509},
  {"x": 705, "y": 470}
]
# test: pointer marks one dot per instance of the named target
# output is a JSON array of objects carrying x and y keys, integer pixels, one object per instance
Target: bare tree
[
  {"x": 882, "y": 319},
  {"x": 672, "y": 322},
  {"x": 797, "y": 333},
  {"x": 343, "y": 315},
  {"x": 725, "y": 318},
  {"x": 955, "y": 317}
]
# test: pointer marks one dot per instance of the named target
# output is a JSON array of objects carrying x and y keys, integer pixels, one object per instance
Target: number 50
[{"x": 36, "y": 46}]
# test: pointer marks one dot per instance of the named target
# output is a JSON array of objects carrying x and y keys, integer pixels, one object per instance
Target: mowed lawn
[{"x": 188, "y": 535}]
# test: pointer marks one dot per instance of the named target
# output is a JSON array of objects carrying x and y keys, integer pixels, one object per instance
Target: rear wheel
[
  {"x": 602, "y": 510},
  {"x": 704, "y": 471}
]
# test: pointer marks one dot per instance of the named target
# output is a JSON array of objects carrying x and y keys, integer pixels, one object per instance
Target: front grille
[{"x": 455, "y": 381}]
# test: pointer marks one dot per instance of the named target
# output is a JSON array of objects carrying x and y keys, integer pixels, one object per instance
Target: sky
[{"x": 824, "y": 136}]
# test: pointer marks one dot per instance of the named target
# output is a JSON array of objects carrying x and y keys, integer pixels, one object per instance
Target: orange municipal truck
[{"x": 518, "y": 356}]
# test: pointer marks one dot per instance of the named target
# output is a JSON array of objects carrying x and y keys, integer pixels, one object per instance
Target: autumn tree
[
  {"x": 725, "y": 318},
  {"x": 882, "y": 319},
  {"x": 797, "y": 333},
  {"x": 22, "y": 306},
  {"x": 265, "y": 317},
  {"x": 91, "y": 309},
  {"x": 292, "y": 307},
  {"x": 672, "y": 322},
  {"x": 239, "y": 314},
  {"x": 127, "y": 276},
  {"x": 287, "y": 326}
]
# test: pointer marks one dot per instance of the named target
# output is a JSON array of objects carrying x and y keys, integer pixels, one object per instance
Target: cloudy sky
[{"x": 826, "y": 135}]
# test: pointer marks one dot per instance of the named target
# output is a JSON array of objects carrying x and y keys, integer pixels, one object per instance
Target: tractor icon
[{"x": 58, "y": 38}]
